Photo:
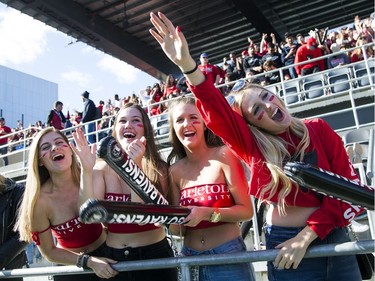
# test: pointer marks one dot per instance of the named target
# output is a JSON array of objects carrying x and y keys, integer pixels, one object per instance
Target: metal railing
[{"x": 348, "y": 248}]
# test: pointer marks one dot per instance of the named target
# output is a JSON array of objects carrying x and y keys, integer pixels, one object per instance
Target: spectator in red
[
  {"x": 357, "y": 54},
  {"x": 4, "y": 131},
  {"x": 101, "y": 106},
  {"x": 170, "y": 88},
  {"x": 211, "y": 71},
  {"x": 308, "y": 52},
  {"x": 156, "y": 95},
  {"x": 55, "y": 117}
]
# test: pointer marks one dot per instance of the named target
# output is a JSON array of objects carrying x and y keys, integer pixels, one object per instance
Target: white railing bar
[{"x": 348, "y": 248}]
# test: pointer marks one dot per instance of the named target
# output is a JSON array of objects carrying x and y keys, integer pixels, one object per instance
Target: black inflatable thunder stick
[
  {"x": 112, "y": 153},
  {"x": 331, "y": 184},
  {"x": 97, "y": 211}
]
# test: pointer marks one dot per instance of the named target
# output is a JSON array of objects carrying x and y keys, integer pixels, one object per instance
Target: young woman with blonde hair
[
  {"x": 208, "y": 179},
  {"x": 51, "y": 203},
  {"x": 260, "y": 131}
]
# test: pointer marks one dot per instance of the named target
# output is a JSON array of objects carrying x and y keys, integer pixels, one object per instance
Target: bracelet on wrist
[
  {"x": 85, "y": 260},
  {"x": 82, "y": 261},
  {"x": 191, "y": 71}
]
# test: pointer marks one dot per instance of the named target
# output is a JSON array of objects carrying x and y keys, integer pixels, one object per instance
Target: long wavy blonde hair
[
  {"x": 274, "y": 149},
  {"x": 38, "y": 175}
]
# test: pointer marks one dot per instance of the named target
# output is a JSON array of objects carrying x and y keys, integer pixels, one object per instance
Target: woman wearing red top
[
  {"x": 208, "y": 179},
  {"x": 170, "y": 87},
  {"x": 357, "y": 54},
  {"x": 125, "y": 242},
  {"x": 262, "y": 133},
  {"x": 50, "y": 206}
]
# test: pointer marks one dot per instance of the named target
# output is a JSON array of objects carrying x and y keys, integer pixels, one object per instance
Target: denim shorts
[
  {"x": 158, "y": 250},
  {"x": 224, "y": 272},
  {"x": 334, "y": 268}
]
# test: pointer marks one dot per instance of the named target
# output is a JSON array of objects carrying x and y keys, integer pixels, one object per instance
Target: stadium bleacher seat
[
  {"x": 162, "y": 125},
  {"x": 339, "y": 79},
  {"x": 292, "y": 90},
  {"x": 314, "y": 86},
  {"x": 360, "y": 73}
]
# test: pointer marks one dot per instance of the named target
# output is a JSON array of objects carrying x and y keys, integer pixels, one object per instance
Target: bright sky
[{"x": 30, "y": 46}]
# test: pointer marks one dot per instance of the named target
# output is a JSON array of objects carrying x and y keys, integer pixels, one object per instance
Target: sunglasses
[{"x": 239, "y": 85}]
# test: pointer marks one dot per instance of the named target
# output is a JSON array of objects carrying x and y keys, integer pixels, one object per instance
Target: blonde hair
[
  {"x": 274, "y": 150},
  {"x": 152, "y": 164},
  {"x": 38, "y": 175},
  {"x": 2, "y": 183}
]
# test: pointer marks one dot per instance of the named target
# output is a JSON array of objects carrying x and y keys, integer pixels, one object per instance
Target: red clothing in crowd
[
  {"x": 55, "y": 120},
  {"x": 305, "y": 54},
  {"x": 325, "y": 145},
  {"x": 171, "y": 91},
  {"x": 4, "y": 130},
  {"x": 211, "y": 71}
]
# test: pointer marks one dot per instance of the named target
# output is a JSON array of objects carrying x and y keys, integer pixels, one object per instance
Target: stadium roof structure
[{"x": 217, "y": 27}]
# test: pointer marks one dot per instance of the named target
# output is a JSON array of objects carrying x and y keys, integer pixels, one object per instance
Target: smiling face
[
  {"x": 54, "y": 151},
  {"x": 129, "y": 126},
  {"x": 263, "y": 109},
  {"x": 188, "y": 124}
]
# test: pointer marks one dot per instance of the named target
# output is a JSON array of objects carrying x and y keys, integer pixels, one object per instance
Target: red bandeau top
[
  {"x": 73, "y": 233},
  {"x": 209, "y": 195},
  {"x": 125, "y": 227}
]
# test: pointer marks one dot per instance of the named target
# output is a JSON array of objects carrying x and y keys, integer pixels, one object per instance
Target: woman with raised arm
[
  {"x": 126, "y": 242},
  {"x": 208, "y": 179},
  {"x": 260, "y": 131},
  {"x": 51, "y": 204}
]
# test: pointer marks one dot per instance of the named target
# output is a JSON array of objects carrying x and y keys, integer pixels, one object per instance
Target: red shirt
[
  {"x": 170, "y": 91},
  {"x": 305, "y": 54},
  {"x": 210, "y": 71},
  {"x": 324, "y": 143},
  {"x": 4, "y": 130}
]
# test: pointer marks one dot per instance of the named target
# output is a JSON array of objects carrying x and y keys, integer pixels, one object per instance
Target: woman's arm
[
  {"x": 47, "y": 246},
  {"x": 293, "y": 250},
  {"x": 174, "y": 198},
  {"x": 332, "y": 213},
  {"x": 87, "y": 157},
  {"x": 235, "y": 178},
  {"x": 174, "y": 45},
  {"x": 215, "y": 110}
]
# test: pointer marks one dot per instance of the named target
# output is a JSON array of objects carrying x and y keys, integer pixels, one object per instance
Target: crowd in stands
[
  {"x": 263, "y": 58},
  {"x": 270, "y": 54}
]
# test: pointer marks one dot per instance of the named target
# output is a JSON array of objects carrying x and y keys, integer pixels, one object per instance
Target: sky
[{"x": 30, "y": 46}]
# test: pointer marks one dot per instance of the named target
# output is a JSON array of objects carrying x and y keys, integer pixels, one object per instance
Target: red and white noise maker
[
  {"x": 98, "y": 211},
  {"x": 331, "y": 184},
  {"x": 112, "y": 153}
]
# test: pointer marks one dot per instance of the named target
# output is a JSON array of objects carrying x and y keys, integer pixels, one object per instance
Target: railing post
[
  {"x": 352, "y": 102},
  {"x": 185, "y": 272}
]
